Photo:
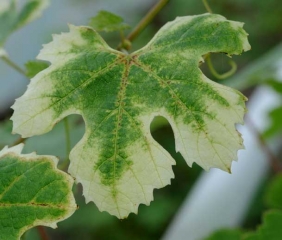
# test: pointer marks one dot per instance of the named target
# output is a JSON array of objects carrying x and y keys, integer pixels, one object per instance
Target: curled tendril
[{"x": 224, "y": 75}]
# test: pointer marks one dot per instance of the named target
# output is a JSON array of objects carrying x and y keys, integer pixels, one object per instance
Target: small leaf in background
[
  {"x": 11, "y": 19},
  {"x": 118, "y": 95},
  {"x": 276, "y": 85},
  {"x": 32, "y": 192},
  {"x": 275, "y": 116},
  {"x": 271, "y": 228},
  {"x": 226, "y": 234},
  {"x": 273, "y": 195},
  {"x": 108, "y": 22},
  {"x": 34, "y": 67}
]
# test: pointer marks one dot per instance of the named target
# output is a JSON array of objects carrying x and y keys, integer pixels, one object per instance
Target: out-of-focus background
[{"x": 256, "y": 68}]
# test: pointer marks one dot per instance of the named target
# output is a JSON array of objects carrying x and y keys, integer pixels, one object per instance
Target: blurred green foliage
[
  {"x": 224, "y": 234},
  {"x": 275, "y": 114}
]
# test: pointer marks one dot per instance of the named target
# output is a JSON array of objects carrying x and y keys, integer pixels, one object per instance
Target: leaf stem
[
  {"x": 207, "y": 6},
  {"x": 42, "y": 233},
  {"x": 224, "y": 75},
  {"x": 19, "y": 140},
  {"x": 67, "y": 136},
  {"x": 146, "y": 20},
  {"x": 8, "y": 61}
]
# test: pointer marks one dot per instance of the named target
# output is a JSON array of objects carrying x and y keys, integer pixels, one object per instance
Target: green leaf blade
[
  {"x": 32, "y": 192},
  {"x": 118, "y": 95}
]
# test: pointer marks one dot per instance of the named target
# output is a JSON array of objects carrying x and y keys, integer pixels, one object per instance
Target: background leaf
[
  {"x": 276, "y": 126},
  {"x": 11, "y": 19},
  {"x": 271, "y": 227},
  {"x": 108, "y": 22},
  {"x": 32, "y": 192},
  {"x": 34, "y": 67},
  {"x": 276, "y": 85},
  {"x": 226, "y": 234},
  {"x": 273, "y": 195}
]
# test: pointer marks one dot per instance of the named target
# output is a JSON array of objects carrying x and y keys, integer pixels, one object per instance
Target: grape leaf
[
  {"x": 11, "y": 19},
  {"x": 108, "y": 22},
  {"x": 118, "y": 95},
  {"x": 34, "y": 67},
  {"x": 32, "y": 192}
]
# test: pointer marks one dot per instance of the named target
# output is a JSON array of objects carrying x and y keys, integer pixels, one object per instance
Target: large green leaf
[
  {"x": 11, "y": 19},
  {"x": 118, "y": 94},
  {"x": 32, "y": 192}
]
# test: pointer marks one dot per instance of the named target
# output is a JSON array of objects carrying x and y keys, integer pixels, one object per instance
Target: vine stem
[
  {"x": 146, "y": 20},
  {"x": 7, "y": 60},
  {"x": 42, "y": 233},
  {"x": 207, "y": 6},
  {"x": 18, "y": 141},
  {"x": 216, "y": 74},
  {"x": 67, "y": 135},
  {"x": 13, "y": 65}
]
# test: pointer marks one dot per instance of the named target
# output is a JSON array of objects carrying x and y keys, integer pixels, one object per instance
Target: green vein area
[
  {"x": 118, "y": 95},
  {"x": 32, "y": 193}
]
